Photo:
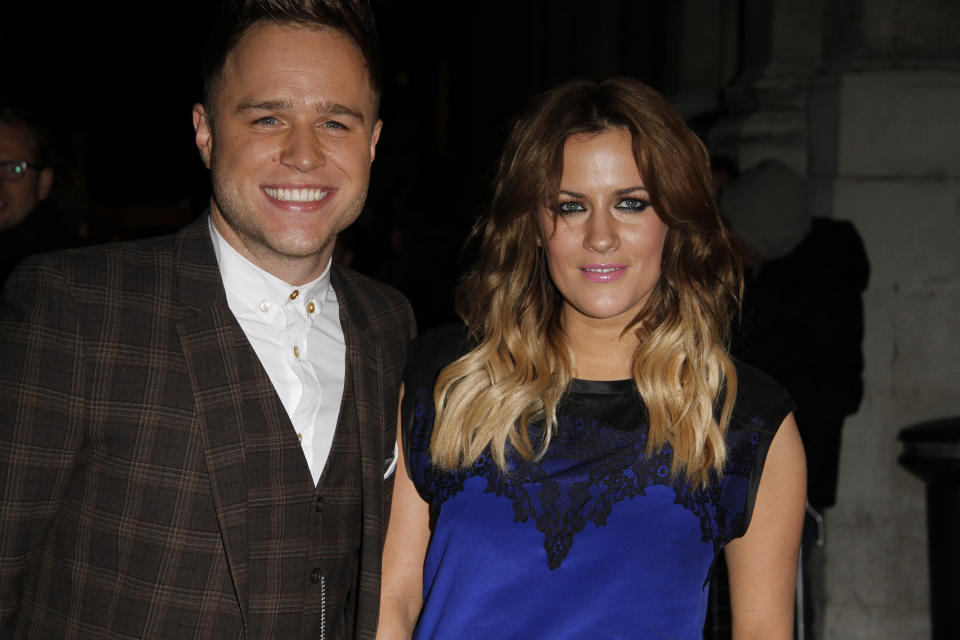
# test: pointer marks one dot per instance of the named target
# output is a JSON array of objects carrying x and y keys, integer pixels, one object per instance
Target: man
[
  {"x": 26, "y": 179},
  {"x": 196, "y": 432}
]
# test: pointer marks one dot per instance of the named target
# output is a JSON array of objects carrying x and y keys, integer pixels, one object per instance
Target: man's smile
[{"x": 285, "y": 194}]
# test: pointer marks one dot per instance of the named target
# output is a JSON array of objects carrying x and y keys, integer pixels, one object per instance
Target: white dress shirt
[{"x": 296, "y": 333}]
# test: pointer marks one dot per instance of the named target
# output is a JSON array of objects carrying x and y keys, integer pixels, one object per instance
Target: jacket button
[
  {"x": 321, "y": 503},
  {"x": 315, "y": 576}
]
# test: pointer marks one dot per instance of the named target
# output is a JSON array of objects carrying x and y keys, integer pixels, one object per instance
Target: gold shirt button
[
  {"x": 296, "y": 352},
  {"x": 300, "y": 437},
  {"x": 311, "y": 307},
  {"x": 296, "y": 292}
]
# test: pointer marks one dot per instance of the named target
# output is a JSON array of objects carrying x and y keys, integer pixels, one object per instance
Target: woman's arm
[
  {"x": 763, "y": 563},
  {"x": 401, "y": 584}
]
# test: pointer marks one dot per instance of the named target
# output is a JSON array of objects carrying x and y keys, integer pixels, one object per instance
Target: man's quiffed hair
[{"x": 353, "y": 18}]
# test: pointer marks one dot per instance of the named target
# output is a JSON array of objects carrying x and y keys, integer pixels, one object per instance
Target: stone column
[
  {"x": 780, "y": 51},
  {"x": 702, "y": 53}
]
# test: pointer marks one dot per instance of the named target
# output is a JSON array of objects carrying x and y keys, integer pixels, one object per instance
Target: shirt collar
[{"x": 253, "y": 287}]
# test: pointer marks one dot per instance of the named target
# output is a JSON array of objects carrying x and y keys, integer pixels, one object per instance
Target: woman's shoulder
[
  {"x": 761, "y": 403},
  {"x": 428, "y": 354},
  {"x": 760, "y": 408}
]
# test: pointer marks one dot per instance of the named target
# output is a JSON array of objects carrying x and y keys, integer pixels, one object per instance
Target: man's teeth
[{"x": 296, "y": 195}]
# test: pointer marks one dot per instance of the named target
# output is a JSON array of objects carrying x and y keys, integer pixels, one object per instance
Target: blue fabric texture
[{"x": 595, "y": 540}]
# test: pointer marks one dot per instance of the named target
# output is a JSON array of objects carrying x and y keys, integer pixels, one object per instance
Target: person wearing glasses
[
  {"x": 577, "y": 454},
  {"x": 26, "y": 179}
]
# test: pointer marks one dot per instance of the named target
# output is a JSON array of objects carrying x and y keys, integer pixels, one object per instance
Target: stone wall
[{"x": 887, "y": 160}]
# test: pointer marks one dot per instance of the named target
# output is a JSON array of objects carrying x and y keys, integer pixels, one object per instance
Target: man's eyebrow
[
  {"x": 322, "y": 108},
  {"x": 266, "y": 105},
  {"x": 337, "y": 109}
]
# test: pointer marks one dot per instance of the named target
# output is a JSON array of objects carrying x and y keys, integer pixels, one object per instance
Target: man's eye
[
  {"x": 571, "y": 206},
  {"x": 333, "y": 124},
  {"x": 633, "y": 204},
  {"x": 268, "y": 121}
]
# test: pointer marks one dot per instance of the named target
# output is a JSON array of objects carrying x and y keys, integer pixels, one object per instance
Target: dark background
[{"x": 117, "y": 82}]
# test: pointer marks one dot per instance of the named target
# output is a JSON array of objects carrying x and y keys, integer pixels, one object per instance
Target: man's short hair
[
  {"x": 17, "y": 116},
  {"x": 353, "y": 18}
]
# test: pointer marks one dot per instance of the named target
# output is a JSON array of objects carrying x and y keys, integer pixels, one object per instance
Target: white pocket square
[{"x": 391, "y": 463}]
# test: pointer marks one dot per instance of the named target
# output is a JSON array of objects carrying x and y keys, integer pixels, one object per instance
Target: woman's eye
[
  {"x": 633, "y": 204},
  {"x": 571, "y": 206}
]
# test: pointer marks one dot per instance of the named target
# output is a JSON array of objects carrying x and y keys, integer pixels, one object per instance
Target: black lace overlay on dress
[{"x": 597, "y": 459}]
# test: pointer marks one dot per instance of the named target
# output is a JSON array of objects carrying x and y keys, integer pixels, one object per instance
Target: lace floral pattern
[{"x": 591, "y": 466}]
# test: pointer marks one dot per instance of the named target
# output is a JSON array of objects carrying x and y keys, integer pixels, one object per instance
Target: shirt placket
[{"x": 298, "y": 354}]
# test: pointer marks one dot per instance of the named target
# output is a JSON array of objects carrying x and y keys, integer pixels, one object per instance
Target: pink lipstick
[{"x": 607, "y": 272}]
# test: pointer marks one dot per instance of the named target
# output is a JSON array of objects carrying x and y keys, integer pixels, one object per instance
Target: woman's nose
[{"x": 600, "y": 232}]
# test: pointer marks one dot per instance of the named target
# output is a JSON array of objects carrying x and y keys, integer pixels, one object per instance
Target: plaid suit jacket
[{"x": 125, "y": 381}]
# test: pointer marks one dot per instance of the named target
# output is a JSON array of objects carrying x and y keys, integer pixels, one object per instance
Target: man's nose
[
  {"x": 600, "y": 232},
  {"x": 302, "y": 149}
]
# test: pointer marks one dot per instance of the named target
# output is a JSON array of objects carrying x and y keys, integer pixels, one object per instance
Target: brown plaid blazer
[{"x": 125, "y": 384}]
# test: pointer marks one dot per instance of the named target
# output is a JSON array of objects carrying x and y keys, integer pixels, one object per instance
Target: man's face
[
  {"x": 18, "y": 198},
  {"x": 289, "y": 146}
]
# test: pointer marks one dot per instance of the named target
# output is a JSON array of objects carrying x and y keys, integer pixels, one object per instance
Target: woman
[{"x": 574, "y": 460}]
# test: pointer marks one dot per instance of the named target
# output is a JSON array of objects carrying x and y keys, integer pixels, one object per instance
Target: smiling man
[
  {"x": 196, "y": 431},
  {"x": 289, "y": 137}
]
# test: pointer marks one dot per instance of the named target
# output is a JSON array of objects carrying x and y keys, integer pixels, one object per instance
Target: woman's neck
[{"x": 601, "y": 350}]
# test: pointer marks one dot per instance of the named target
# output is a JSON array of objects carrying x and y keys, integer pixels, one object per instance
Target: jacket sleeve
[{"x": 42, "y": 416}]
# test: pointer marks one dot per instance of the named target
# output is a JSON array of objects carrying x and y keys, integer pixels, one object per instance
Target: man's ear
[
  {"x": 374, "y": 138},
  {"x": 45, "y": 183},
  {"x": 204, "y": 135}
]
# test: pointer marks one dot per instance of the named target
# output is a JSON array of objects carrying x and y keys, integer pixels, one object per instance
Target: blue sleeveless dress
[{"x": 595, "y": 540}]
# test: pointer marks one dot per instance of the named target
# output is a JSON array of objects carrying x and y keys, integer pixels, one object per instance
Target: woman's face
[{"x": 604, "y": 242}]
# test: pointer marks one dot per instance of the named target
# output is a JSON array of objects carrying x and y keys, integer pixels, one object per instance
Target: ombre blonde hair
[{"x": 520, "y": 363}]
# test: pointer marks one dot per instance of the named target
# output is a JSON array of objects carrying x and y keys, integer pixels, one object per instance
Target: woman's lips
[{"x": 603, "y": 272}]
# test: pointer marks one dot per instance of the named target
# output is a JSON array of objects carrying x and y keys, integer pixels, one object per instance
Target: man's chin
[{"x": 300, "y": 250}]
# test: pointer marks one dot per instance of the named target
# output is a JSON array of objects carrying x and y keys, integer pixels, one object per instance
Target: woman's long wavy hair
[{"x": 520, "y": 363}]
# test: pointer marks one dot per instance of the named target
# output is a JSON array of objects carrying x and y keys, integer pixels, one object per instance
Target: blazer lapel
[
  {"x": 213, "y": 346},
  {"x": 210, "y": 347},
  {"x": 364, "y": 369}
]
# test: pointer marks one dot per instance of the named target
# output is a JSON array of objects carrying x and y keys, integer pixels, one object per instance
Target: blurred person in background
[
  {"x": 802, "y": 323},
  {"x": 29, "y": 220}
]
